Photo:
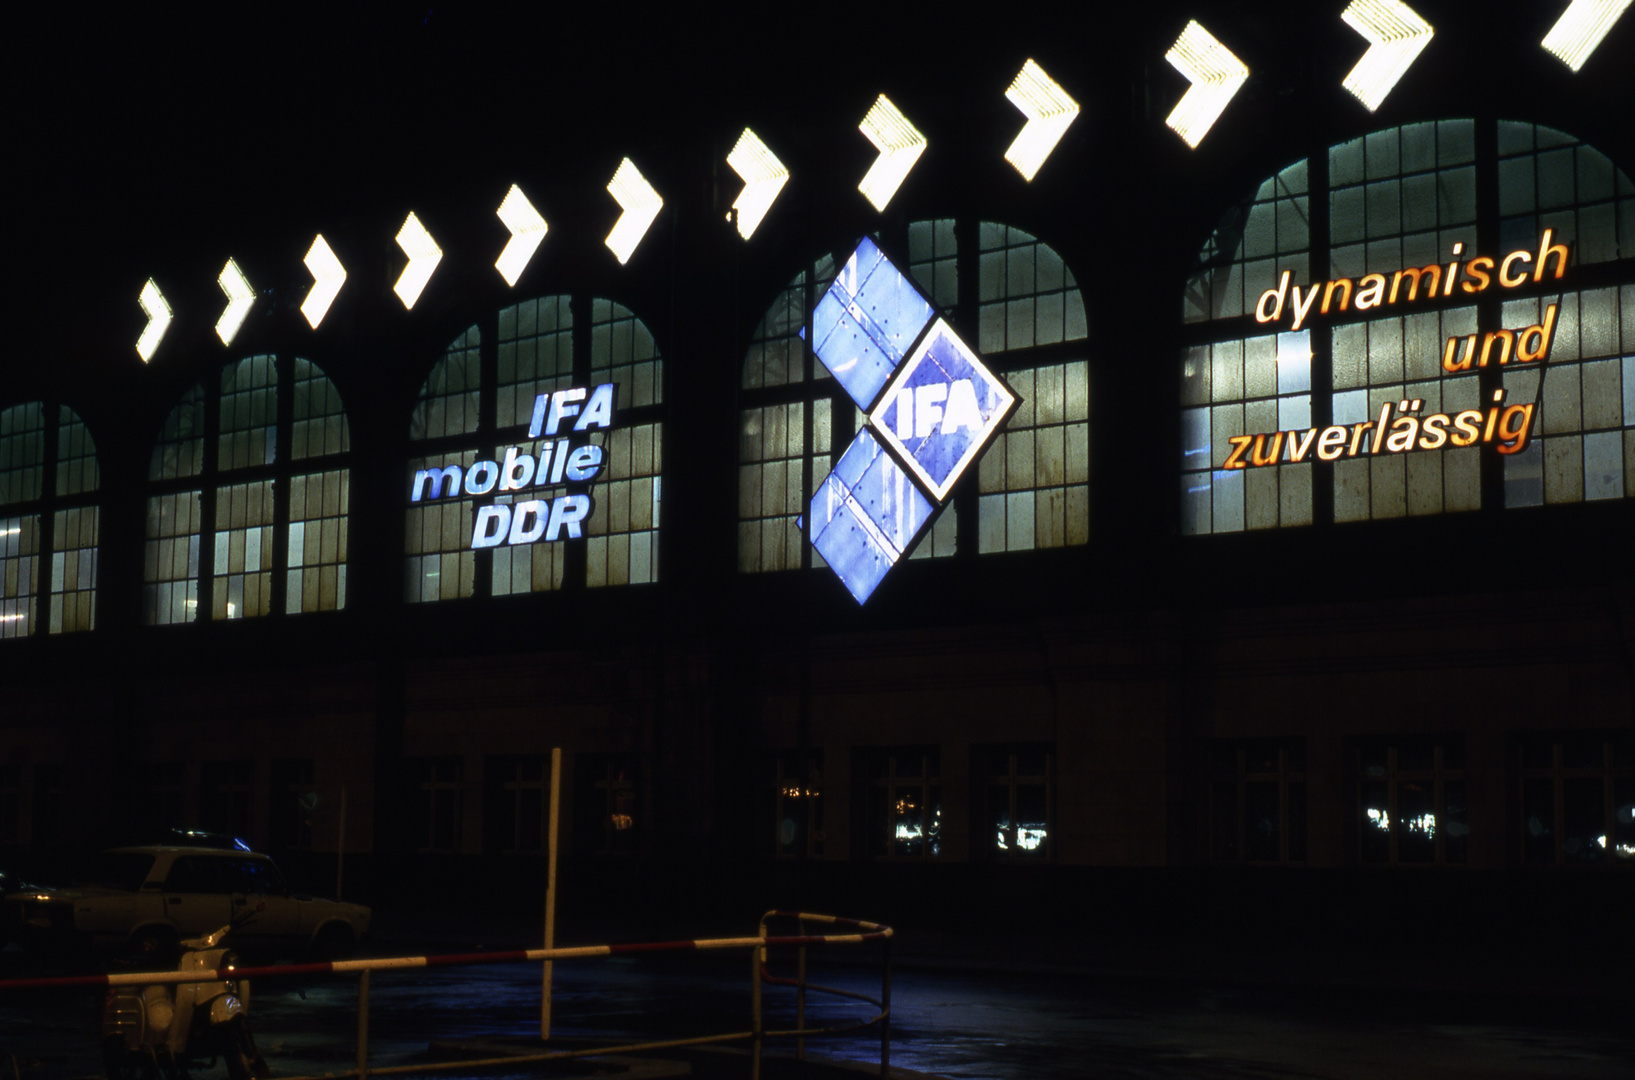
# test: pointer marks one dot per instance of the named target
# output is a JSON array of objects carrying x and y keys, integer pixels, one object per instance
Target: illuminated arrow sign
[
  {"x": 424, "y": 255},
  {"x": 763, "y": 175},
  {"x": 1050, "y": 113},
  {"x": 328, "y": 275},
  {"x": 240, "y": 299},
  {"x": 1216, "y": 76},
  {"x": 900, "y": 145},
  {"x": 1396, "y": 36},
  {"x": 641, "y": 204},
  {"x": 1581, "y": 28},
  {"x": 527, "y": 233},
  {"x": 158, "y": 312}
]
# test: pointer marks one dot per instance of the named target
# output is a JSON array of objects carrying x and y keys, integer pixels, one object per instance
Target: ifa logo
[{"x": 932, "y": 407}]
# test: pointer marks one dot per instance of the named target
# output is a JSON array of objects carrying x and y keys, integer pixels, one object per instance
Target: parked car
[{"x": 147, "y": 899}]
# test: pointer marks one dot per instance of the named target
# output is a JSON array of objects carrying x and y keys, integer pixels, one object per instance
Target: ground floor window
[
  {"x": 903, "y": 795},
  {"x": 226, "y": 796},
  {"x": 1578, "y": 798},
  {"x": 519, "y": 789},
  {"x": 1257, "y": 810},
  {"x": 1015, "y": 788},
  {"x": 797, "y": 804},
  {"x": 293, "y": 803},
  {"x": 1411, "y": 801},
  {"x": 607, "y": 811},
  {"x": 438, "y": 803}
]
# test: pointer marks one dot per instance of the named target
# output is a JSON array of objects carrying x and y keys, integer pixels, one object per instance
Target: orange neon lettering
[
  {"x": 1504, "y": 269},
  {"x": 1357, "y": 431},
  {"x": 1544, "y": 333},
  {"x": 1434, "y": 432},
  {"x": 1331, "y": 443},
  {"x": 1300, "y": 447},
  {"x": 1435, "y": 272},
  {"x": 1256, "y": 458},
  {"x": 1448, "y": 361},
  {"x": 1465, "y": 429},
  {"x": 1506, "y": 336},
  {"x": 1483, "y": 278},
  {"x": 1240, "y": 443},
  {"x": 1513, "y": 440},
  {"x": 1345, "y": 297},
  {"x": 1545, "y": 250}
]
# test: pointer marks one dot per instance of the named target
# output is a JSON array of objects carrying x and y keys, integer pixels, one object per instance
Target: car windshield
[{"x": 117, "y": 870}]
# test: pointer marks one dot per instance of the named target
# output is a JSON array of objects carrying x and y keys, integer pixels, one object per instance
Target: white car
[{"x": 149, "y": 898}]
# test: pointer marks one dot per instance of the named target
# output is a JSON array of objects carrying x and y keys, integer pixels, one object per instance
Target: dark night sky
[{"x": 150, "y": 140}]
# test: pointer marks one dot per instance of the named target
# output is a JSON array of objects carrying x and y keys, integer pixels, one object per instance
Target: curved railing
[{"x": 863, "y": 932}]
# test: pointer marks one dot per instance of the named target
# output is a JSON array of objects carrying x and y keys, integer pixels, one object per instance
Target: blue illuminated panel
[
  {"x": 865, "y": 515},
  {"x": 943, "y": 407},
  {"x": 865, "y": 323}
]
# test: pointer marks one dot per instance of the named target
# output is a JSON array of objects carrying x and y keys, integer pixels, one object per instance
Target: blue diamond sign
[
  {"x": 866, "y": 321},
  {"x": 932, "y": 407},
  {"x": 941, "y": 410}
]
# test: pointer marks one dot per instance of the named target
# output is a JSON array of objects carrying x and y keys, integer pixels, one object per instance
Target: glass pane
[
  {"x": 1263, "y": 826},
  {"x": 1538, "y": 821},
  {"x": 1416, "y": 822},
  {"x": 1374, "y": 843}
]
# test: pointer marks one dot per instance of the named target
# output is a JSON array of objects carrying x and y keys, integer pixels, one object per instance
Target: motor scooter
[{"x": 166, "y": 1030}]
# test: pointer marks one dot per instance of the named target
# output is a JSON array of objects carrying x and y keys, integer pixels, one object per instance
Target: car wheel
[
  {"x": 334, "y": 942},
  {"x": 152, "y": 944}
]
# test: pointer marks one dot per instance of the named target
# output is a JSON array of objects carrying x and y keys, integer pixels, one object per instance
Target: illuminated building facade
[{"x": 1304, "y": 538}]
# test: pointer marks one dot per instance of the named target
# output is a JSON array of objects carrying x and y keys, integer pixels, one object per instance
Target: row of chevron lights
[{"x": 1395, "y": 33}]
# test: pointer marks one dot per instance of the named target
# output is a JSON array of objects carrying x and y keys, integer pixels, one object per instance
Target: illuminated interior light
[
  {"x": 328, "y": 275},
  {"x": 158, "y": 312},
  {"x": 12, "y": 618},
  {"x": 1396, "y": 36},
  {"x": 764, "y": 177},
  {"x": 1049, "y": 111},
  {"x": 424, "y": 255},
  {"x": 527, "y": 233},
  {"x": 240, "y": 299},
  {"x": 1581, "y": 28},
  {"x": 900, "y": 145},
  {"x": 641, "y": 204},
  {"x": 1216, "y": 76}
]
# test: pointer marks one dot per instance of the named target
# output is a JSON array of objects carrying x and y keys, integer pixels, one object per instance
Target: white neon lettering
[
  {"x": 598, "y": 410},
  {"x": 493, "y": 522},
  {"x": 584, "y": 463},
  {"x": 509, "y": 478},
  {"x": 528, "y": 521},
  {"x": 962, "y": 411},
  {"x": 562, "y": 407},
  {"x": 927, "y": 411},
  {"x": 568, "y": 511},
  {"x": 490, "y": 476}
]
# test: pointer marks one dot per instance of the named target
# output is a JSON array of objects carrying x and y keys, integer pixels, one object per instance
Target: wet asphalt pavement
[{"x": 946, "y": 1021}]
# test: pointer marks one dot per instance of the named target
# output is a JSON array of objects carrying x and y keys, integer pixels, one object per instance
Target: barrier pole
[
  {"x": 340, "y": 845},
  {"x": 363, "y": 1024},
  {"x": 550, "y": 892},
  {"x": 756, "y": 959},
  {"x": 800, "y": 995},
  {"x": 885, "y": 1011}
]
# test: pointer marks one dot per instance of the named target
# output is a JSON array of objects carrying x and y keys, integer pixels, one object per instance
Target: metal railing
[{"x": 757, "y": 946}]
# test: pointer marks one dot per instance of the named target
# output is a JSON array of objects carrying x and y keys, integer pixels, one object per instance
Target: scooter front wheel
[
  {"x": 122, "y": 1063},
  {"x": 243, "y": 1061}
]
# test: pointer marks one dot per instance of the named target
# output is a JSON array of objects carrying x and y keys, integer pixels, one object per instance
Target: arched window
[
  {"x": 1346, "y": 316},
  {"x": 541, "y": 346},
  {"x": 48, "y": 474},
  {"x": 1032, "y": 488},
  {"x": 248, "y": 505}
]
